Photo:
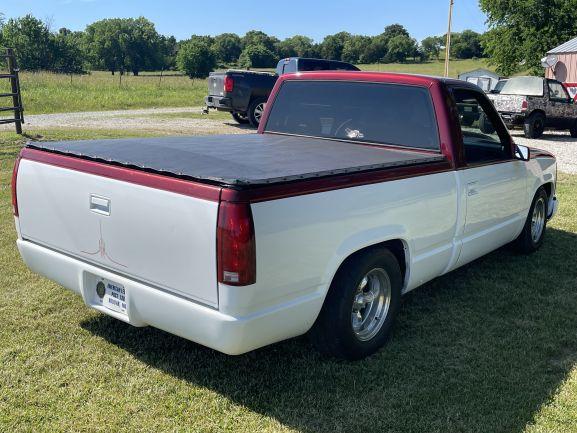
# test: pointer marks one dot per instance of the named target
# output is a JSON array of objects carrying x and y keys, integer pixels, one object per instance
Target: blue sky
[{"x": 315, "y": 19}]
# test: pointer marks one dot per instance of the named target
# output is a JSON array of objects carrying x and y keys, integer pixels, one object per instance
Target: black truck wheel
[
  {"x": 360, "y": 307},
  {"x": 240, "y": 118},
  {"x": 255, "y": 111},
  {"x": 485, "y": 125},
  {"x": 573, "y": 129},
  {"x": 534, "y": 125}
]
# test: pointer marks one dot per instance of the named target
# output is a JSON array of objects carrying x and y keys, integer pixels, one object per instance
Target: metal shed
[
  {"x": 485, "y": 79},
  {"x": 565, "y": 67}
]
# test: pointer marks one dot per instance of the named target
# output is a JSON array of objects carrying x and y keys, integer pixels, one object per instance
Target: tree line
[{"x": 121, "y": 45}]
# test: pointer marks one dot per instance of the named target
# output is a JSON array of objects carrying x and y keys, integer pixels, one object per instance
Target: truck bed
[{"x": 240, "y": 160}]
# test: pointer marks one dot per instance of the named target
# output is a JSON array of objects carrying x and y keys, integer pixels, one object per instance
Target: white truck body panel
[
  {"x": 160, "y": 238},
  {"x": 300, "y": 241}
]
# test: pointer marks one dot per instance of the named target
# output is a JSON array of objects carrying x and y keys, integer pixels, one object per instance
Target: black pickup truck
[{"x": 244, "y": 93}]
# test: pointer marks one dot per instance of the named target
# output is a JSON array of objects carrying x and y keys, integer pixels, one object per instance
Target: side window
[
  {"x": 480, "y": 136},
  {"x": 557, "y": 90},
  {"x": 290, "y": 66}
]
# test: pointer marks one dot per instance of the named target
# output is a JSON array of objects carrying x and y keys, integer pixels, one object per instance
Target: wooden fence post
[{"x": 15, "y": 87}]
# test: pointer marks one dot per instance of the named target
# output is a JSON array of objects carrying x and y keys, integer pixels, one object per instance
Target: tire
[
  {"x": 240, "y": 118},
  {"x": 532, "y": 236},
  {"x": 534, "y": 125},
  {"x": 255, "y": 110},
  {"x": 485, "y": 125},
  {"x": 467, "y": 120},
  {"x": 334, "y": 333},
  {"x": 573, "y": 129}
]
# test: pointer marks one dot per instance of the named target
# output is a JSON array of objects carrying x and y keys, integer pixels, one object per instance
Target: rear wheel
[
  {"x": 256, "y": 110},
  {"x": 533, "y": 232},
  {"x": 534, "y": 125},
  {"x": 361, "y": 306},
  {"x": 240, "y": 118},
  {"x": 485, "y": 125},
  {"x": 573, "y": 129}
]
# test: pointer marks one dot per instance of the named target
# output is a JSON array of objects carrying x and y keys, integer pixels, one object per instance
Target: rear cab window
[{"x": 377, "y": 113}]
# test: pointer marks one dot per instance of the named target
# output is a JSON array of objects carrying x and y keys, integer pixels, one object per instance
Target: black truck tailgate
[{"x": 244, "y": 159}]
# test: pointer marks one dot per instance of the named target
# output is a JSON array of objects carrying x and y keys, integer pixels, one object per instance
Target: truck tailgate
[
  {"x": 159, "y": 237},
  {"x": 216, "y": 84}
]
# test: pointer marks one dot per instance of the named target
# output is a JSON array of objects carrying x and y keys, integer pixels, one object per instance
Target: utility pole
[{"x": 448, "y": 42}]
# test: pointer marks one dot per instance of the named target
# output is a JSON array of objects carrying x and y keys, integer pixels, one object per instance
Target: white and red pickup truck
[{"x": 358, "y": 188}]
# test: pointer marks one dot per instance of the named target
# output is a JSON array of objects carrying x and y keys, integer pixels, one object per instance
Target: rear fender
[{"x": 362, "y": 240}]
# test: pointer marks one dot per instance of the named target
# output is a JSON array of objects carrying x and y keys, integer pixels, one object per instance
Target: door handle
[
  {"x": 472, "y": 188},
  {"x": 99, "y": 204}
]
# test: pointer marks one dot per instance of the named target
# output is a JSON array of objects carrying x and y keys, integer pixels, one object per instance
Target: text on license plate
[{"x": 115, "y": 297}]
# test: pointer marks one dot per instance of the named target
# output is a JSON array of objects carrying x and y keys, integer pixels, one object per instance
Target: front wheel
[
  {"x": 256, "y": 110},
  {"x": 533, "y": 232},
  {"x": 534, "y": 125},
  {"x": 360, "y": 307}
]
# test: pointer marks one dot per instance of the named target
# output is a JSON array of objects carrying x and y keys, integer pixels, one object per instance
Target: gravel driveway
[
  {"x": 559, "y": 143},
  {"x": 190, "y": 121},
  {"x": 175, "y": 120}
]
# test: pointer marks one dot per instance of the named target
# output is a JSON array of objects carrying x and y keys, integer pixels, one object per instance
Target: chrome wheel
[
  {"x": 371, "y": 304},
  {"x": 258, "y": 110},
  {"x": 538, "y": 220}
]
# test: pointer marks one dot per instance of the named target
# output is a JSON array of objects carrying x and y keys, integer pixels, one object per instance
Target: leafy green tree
[
  {"x": 169, "y": 48},
  {"x": 142, "y": 45},
  {"x": 195, "y": 58},
  {"x": 30, "y": 38},
  {"x": 227, "y": 47},
  {"x": 256, "y": 37},
  {"x": 400, "y": 47},
  {"x": 68, "y": 53},
  {"x": 332, "y": 45},
  {"x": 395, "y": 30},
  {"x": 120, "y": 44},
  {"x": 376, "y": 51},
  {"x": 354, "y": 48},
  {"x": 104, "y": 41},
  {"x": 431, "y": 46},
  {"x": 522, "y": 31},
  {"x": 466, "y": 45},
  {"x": 257, "y": 56},
  {"x": 296, "y": 46}
]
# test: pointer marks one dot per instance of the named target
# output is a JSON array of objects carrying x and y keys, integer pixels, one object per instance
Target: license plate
[{"x": 115, "y": 297}]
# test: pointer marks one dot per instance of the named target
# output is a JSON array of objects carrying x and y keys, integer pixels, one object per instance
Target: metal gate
[{"x": 16, "y": 107}]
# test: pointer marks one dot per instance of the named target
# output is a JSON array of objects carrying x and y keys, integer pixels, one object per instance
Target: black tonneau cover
[{"x": 240, "y": 159}]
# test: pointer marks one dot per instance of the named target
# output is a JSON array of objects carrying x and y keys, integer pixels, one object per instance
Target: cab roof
[{"x": 379, "y": 77}]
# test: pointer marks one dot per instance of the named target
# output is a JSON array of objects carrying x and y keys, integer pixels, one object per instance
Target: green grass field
[
  {"x": 491, "y": 347},
  {"x": 437, "y": 68},
  {"x": 46, "y": 92}
]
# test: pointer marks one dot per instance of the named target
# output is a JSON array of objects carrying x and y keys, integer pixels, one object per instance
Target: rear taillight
[
  {"x": 14, "y": 178},
  {"x": 228, "y": 84},
  {"x": 524, "y": 105},
  {"x": 236, "y": 250}
]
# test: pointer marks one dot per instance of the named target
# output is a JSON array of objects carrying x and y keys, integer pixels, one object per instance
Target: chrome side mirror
[{"x": 522, "y": 152}]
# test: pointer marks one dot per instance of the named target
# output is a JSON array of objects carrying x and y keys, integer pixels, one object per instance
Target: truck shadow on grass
[{"x": 480, "y": 349}]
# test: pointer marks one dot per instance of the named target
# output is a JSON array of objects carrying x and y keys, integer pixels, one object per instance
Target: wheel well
[
  {"x": 538, "y": 111},
  {"x": 548, "y": 187},
  {"x": 395, "y": 246}
]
